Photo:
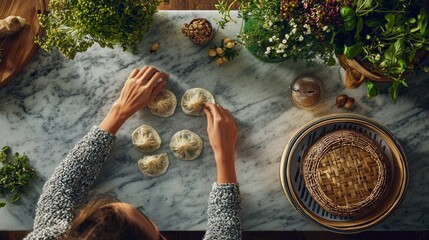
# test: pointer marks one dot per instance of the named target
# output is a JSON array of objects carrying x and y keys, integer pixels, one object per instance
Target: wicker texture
[{"x": 346, "y": 173}]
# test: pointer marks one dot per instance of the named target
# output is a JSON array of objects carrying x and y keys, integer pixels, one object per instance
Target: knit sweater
[{"x": 72, "y": 179}]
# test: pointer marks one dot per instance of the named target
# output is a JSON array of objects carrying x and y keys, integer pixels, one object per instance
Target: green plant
[
  {"x": 392, "y": 35},
  {"x": 280, "y": 29},
  {"x": 15, "y": 175},
  {"x": 73, "y": 26}
]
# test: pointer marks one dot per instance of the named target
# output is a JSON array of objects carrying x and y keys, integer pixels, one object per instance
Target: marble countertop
[{"x": 54, "y": 102}]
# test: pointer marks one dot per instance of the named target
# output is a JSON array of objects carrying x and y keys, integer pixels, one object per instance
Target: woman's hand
[
  {"x": 222, "y": 132},
  {"x": 141, "y": 88}
]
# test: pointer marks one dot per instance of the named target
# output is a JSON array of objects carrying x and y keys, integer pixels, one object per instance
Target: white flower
[
  {"x": 285, "y": 55},
  {"x": 377, "y": 57},
  {"x": 268, "y": 49},
  {"x": 293, "y": 30},
  {"x": 280, "y": 51},
  {"x": 306, "y": 26},
  {"x": 271, "y": 39},
  {"x": 325, "y": 28},
  {"x": 284, "y": 41},
  {"x": 282, "y": 46},
  {"x": 287, "y": 36},
  {"x": 301, "y": 38}
]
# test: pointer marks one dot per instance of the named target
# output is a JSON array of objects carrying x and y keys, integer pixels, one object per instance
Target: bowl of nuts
[{"x": 199, "y": 31}]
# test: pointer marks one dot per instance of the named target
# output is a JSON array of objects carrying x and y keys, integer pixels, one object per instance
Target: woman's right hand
[{"x": 222, "y": 132}]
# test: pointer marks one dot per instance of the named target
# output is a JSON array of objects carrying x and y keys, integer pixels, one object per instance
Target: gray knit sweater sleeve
[
  {"x": 224, "y": 212},
  {"x": 69, "y": 183},
  {"x": 72, "y": 179}
]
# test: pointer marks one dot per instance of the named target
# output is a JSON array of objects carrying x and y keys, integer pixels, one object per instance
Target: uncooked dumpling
[
  {"x": 193, "y": 101},
  {"x": 186, "y": 145},
  {"x": 154, "y": 165},
  {"x": 164, "y": 104},
  {"x": 146, "y": 139}
]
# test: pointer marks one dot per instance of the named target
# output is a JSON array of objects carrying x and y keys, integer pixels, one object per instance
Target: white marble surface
[{"x": 52, "y": 104}]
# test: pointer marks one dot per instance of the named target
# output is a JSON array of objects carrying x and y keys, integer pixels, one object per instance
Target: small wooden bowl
[{"x": 210, "y": 37}]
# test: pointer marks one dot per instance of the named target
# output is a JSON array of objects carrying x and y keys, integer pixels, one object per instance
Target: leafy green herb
[
  {"x": 224, "y": 7},
  {"x": 15, "y": 176},
  {"x": 373, "y": 90},
  {"x": 353, "y": 51},
  {"x": 392, "y": 35},
  {"x": 73, "y": 26}
]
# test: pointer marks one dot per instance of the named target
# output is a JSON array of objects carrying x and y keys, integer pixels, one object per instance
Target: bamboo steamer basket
[
  {"x": 346, "y": 173},
  {"x": 292, "y": 180}
]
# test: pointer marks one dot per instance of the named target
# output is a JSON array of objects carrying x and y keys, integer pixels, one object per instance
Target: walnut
[{"x": 199, "y": 30}]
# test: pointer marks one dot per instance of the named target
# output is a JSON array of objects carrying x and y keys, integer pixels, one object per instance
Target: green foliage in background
[
  {"x": 73, "y": 26},
  {"x": 15, "y": 176},
  {"x": 393, "y": 35}
]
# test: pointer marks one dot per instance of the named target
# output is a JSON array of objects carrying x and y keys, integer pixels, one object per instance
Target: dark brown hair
[{"x": 98, "y": 220}]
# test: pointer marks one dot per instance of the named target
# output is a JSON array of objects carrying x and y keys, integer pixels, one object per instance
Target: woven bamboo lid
[{"x": 346, "y": 173}]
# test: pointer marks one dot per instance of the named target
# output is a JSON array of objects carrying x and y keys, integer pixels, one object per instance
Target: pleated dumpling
[
  {"x": 193, "y": 101},
  {"x": 146, "y": 139},
  {"x": 186, "y": 145},
  {"x": 164, "y": 104},
  {"x": 154, "y": 165}
]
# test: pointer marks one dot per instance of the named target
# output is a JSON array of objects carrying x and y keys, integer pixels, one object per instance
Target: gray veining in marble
[{"x": 52, "y": 104}]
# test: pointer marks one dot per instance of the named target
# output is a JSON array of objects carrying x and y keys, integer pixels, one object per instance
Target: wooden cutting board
[{"x": 18, "y": 49}]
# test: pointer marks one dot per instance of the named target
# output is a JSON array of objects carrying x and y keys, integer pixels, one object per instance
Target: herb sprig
[
  {"x": 73, "y": 26},
  {"x": 15, "y": 176},
  {"x": 392, "y": 35}
]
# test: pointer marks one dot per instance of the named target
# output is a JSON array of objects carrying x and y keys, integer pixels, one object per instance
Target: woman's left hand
[{"x": 141, "y": 88}]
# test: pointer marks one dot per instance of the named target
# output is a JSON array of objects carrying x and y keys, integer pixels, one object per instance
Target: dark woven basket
[{"x": 346, "y": 173}]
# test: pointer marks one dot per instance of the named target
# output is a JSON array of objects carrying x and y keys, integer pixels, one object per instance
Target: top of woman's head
[{"x": 100, "y": 219}]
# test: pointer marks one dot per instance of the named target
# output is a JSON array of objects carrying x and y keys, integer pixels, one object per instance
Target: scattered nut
[
  {"x": 225, "y": 52},
  {"x": 341, "y": 100},
  {"x": 227, "y": 40},
  {"x": 345, "y": 101},
  {"x": 349, "y": 103},
  {"x": 230, "y": 45},
  {"x": 212, "y": 53},
  {"x": 220, "y": 51},
  {"x": 154, "y": 48}
]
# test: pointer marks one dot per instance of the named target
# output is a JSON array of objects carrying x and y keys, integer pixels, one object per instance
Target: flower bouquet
[
  {"x": 287, "y": 28},
  {"x": 373, "y": 39}
]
